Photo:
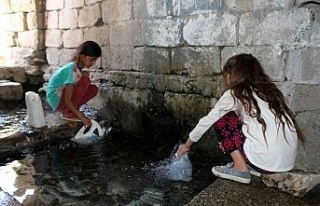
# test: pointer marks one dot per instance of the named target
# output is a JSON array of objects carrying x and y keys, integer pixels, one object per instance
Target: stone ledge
[
  {"x": 296, "y": 183},
  {"x": 10, "y": 91},
  {"x": 229, "y": 193}
]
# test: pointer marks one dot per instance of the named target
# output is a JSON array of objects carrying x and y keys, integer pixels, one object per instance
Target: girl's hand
[
  {"x": 86, "y": 122},
  {"x": 182, "y": 150}
]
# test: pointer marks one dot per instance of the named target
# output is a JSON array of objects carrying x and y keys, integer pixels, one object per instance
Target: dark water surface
[{"x": 113, "y": 170}]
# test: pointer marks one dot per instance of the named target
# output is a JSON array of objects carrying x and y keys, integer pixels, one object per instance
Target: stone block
[
  {"x": 182, "y": 105},
  {"x": 239, "y": 6},
  {"x": 126, "y": 106},
  {"x": 219, "y": 30},
  {"x": 196, "y": 61},
  {"x": 272, "y": 5},
  {"x": 162, "y": 32},
  {"x": 11, "y": 91},
  {"x": 89, "y": 15},
  {"x": 31, "y": 39},
  {"x": 116, "y": 11},
  {"x": 5, "y": 7},
  {"x": 52, "y": 56},
  {"x": 7, "y": 39},
  {"x": 68, "y": 19},
  {"x": 258, "y": 28},
  {"x": 296, "y": 183},
  {"x": 99, "y": 34},
  {"x": 70, "y": 4},
  {"x": 92, "y": 1},
  {"x": 35, "y": 20},
  {"x": 154, "y": 60},
  {"x": 305, "y": 98},
  {"x": 270, "y": 57},
  {"x": 15, "y": 73},
  {"x": 23, "y": 56},
  {"x": 52, "y": 20},
  {"x": 54, "y": 5},
  {"x": 303, "y": 65},
  {"x": 72, "y": 38},
  {"x": 26, "y": 5},
  {"x": 106, "y": 57},
  {"x": 53, "y": 38},
  {"x": 181, "y": 8},
  {"x": 120, "y": 57},
  {"x": 14, "y": 22},
  {"x": 65, "y": 56},
  {"x": 128, "y": 33},
  {"x": 308, "y": 154}
]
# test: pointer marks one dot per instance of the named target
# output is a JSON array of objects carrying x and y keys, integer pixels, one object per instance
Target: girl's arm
[
  {"x": 68, "y": 94},
  {"x": 185, "y": 148}
]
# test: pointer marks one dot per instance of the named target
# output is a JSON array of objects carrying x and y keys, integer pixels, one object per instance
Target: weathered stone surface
[
  {"x": 225, "y": 192},
  {"x": 272, "y": 5},
  {"x": 152, "y": 60},
  {"x": 53, "y": 38},
  {"x": 303, "y": 65},
  {"x": 271, "y": 59},
  {"x": 196, "y": 61},
  {"x": 5, "y": 7},
  {"x": 89, "y": 15},
  {"x": 162, "y": 33},
  {"x": 35, "y": 20},
  {"x": 14, "y": 72},
  {"x": 52, "y": 19},
  {"x": 15, "y": 141},
  {"x": 72, "y": 38},
  {"x": 11, "y": 91},
  {"x": 117, "y": 11},
  {"x": 53, "y": 4},
  {"x": 308, "y": 154},
  {"x": 14, "y": 22},
  {"x": 68, "y": 19},
  {"x": 293, "y": 26},
  {"x": 181, "y": 8},
  {"x": 218, "y": 30},
  {"x": 296, "y": 183},
  {"x": 31, "y": 39}
]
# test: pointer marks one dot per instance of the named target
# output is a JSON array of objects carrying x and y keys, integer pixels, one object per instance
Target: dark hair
[
  {"x": 247, "y": 75},
  {"x": 88, "y": 48}
]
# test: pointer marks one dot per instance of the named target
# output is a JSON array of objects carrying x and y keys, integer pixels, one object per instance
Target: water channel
[{"x": 111, "y": 170}]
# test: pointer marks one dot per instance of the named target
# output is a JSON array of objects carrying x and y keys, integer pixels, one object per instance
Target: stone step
[
  {"x": 10, "y": 91},
  {"x": 14, "y": 73},
  {"x": 19, "y": 73}
]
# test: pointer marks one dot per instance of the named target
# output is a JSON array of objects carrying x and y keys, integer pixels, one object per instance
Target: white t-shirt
[{"x": 276, "y": 153}]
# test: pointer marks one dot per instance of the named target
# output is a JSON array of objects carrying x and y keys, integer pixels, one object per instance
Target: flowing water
[{"x": 112, "y": 170}]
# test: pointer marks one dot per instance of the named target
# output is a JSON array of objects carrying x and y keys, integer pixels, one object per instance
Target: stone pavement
[{"x": 229, "y": 193}]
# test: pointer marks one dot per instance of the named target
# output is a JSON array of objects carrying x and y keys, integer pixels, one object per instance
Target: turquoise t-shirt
[{"x": 67, "y": 74}]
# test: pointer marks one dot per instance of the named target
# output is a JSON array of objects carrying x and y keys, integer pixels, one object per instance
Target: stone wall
[{"x": 162, "y": 58}]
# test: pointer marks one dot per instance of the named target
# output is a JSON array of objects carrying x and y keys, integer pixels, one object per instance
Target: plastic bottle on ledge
[{"x": 35, "y": 113}]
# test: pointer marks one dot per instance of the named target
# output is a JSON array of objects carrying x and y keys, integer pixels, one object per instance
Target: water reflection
[
  {"x": 104, "y": 173},
  {"x": 16, "y": 178},
  {"x": 113, "y": 170}
]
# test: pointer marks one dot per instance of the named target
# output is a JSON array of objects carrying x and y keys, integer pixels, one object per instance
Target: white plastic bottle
[{"x": 35, "y": 113}]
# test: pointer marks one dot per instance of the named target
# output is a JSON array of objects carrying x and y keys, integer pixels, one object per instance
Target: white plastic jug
[
  {"x": 83, "y": 134},
  {"x": 180, "y": 169},
  {"x": 35, "y": 113}
]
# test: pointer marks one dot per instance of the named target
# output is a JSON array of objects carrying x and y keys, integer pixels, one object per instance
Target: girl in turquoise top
[{"x": 70, "y": 87}]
